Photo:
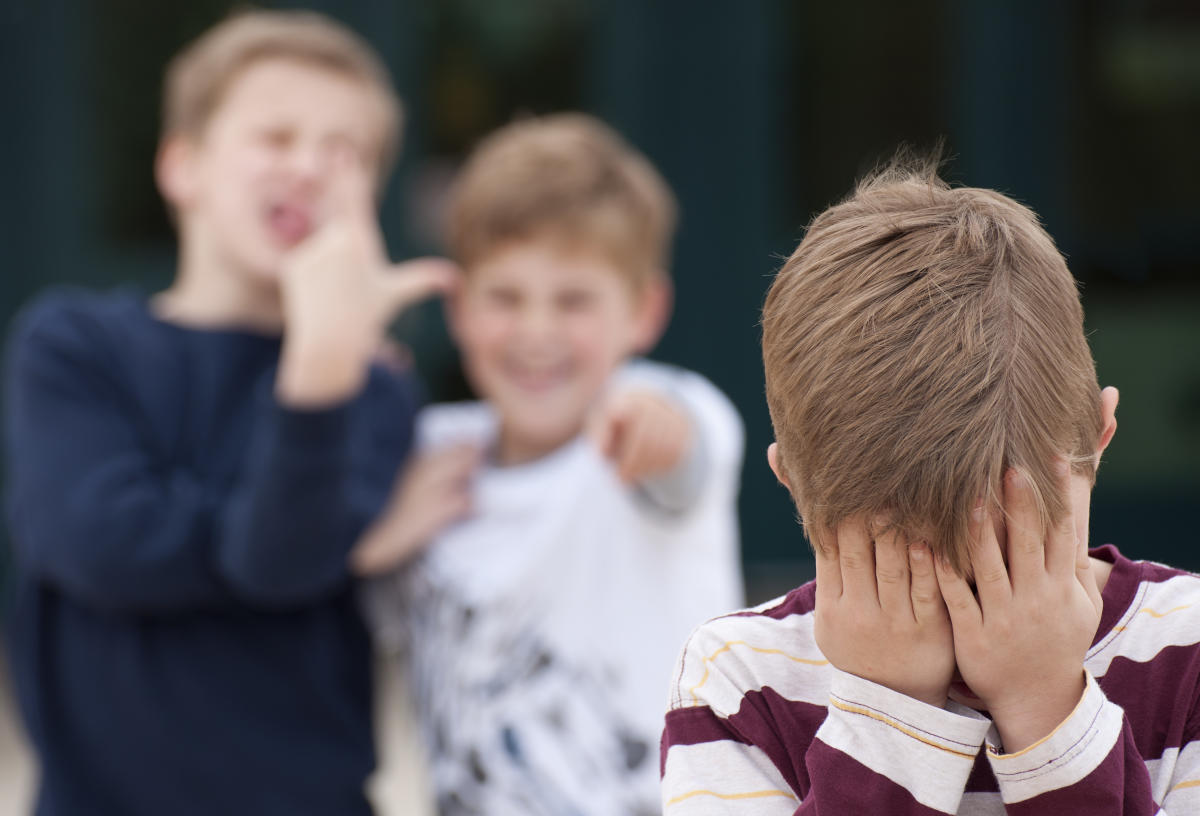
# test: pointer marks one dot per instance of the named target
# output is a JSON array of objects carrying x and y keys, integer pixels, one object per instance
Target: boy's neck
[
  {"x": 210, "y": 293},
  {"x": 513, "y": 449}
]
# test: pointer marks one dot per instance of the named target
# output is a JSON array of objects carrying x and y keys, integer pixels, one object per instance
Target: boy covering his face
[{"x": 939, "y": 425}]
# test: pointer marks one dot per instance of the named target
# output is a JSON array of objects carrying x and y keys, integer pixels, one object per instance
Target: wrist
[
  {"x": 936, "y": 698},
  {"x": 313, "y": 375},
  {"x": 1033, "y": 717}
]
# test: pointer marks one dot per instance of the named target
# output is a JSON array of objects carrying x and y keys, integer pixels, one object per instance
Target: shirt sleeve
[
  {"x": 112, "y": 525},
  {"x": 723, "y": 752},
  {"x": 906, "y": 757},
  {"x": 1090, "y": 765}
]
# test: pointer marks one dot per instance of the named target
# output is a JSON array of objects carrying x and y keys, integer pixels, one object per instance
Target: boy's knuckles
[
  {"x": 891, "y": 575},
  {"x": 925, "y": 597},
  {"x": 855, "y": 561},
  {"x": 991, "y": 576}
]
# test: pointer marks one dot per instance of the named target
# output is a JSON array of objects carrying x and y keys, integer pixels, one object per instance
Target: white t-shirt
[{"x": 541, "y": 632}]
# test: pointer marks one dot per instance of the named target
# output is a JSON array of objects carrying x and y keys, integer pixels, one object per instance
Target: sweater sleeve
[
  {"x": 97, "y": 514},
  {"x": 1090, "y": 765}
]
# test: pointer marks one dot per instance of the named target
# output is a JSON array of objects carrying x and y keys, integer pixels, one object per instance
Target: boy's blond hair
[
  {"x": 921, "y": 340},
  {"x": 565, "y": 178},
  {"x": 200, "y": 75}
]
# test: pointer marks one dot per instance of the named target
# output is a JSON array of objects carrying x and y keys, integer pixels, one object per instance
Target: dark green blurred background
[{"x": 759, "y": 114}]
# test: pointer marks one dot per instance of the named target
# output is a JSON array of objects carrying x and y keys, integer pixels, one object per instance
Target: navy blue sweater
[{"x": 184, "y": 635}]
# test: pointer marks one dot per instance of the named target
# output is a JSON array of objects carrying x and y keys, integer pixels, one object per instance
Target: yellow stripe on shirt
[{"x": 762, "y": 794}]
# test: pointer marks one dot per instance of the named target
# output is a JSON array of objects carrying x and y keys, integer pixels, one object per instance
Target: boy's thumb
[{"x": 407, "y": 283}]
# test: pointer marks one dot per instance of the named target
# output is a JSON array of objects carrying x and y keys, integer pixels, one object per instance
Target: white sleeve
[{"x": 714, "y": 463}]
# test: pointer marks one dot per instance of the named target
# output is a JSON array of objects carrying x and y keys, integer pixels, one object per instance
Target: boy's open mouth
[{"x": 289, "y": 223}]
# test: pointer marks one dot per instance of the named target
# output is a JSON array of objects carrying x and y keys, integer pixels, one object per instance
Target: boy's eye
[
  {"x": 503, "y": 298},
  {"x": 575, "y": 301},
  {"x": 276, "y": 137}
]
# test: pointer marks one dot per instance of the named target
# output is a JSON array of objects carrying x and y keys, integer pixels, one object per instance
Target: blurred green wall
[{"x": 759, "y": 114}]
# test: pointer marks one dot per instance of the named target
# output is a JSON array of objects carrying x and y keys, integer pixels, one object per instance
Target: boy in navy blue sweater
[{"x": 188, "y": 473}]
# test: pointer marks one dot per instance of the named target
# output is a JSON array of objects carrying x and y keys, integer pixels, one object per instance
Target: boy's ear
[
  {"x": 1109, "y": 398},
  {"x": 773, "y": 461},
  {"x": 173, "y": 170},
  {"x": 654, "y": 307}
]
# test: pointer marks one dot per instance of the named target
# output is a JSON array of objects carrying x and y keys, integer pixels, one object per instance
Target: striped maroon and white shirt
[{"x": 761, "y": 724}]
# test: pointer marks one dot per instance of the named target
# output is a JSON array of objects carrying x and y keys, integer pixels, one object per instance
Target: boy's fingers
[
  {"x": 1086, "y": 578},
  {"x": 453, "y": 464},
  {"x": 829, "y": 572},
  {"x": 351, "y": 188},
  {"x": 961, "y": 606},
  {"x": 1026, "y": 547},
  {"x": 606, "y": 426},
  {"x": 891, "y": 574},
  {"x": 407, "y": 283},
  {"x": 1063, "y": 550},
  {"x": 927, "y": 604},
  {"x": 636, "y": 450},
  {"x": 856, "y": 557},
  {"x": 987, "y": 562}
]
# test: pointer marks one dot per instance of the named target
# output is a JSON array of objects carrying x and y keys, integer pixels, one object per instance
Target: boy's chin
[{"x": 262, "y": 268}]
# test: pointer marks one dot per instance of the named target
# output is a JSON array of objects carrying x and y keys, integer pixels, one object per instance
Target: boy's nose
[
  {"x": 538, "y": 323},
  {"x": 309, "y": 164}
]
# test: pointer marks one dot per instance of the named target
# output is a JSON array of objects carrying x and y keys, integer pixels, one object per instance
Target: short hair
[
  {"x": 199, "y": 76},
  {"x": 566, "y": 178},
  {"x": 921, "y": 340}
]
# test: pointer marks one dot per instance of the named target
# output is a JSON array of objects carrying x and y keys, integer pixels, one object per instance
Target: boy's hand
[
  {"x": 433, "y": 492},
  {"x": 879, "y": 614},
  {"x": 643, "y": 434},
  {"x": 1020, "y": 646},
  {"x": 339, "y": 293}
]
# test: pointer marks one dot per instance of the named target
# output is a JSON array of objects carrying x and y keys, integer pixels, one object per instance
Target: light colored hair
[
  {"x": 921, "y": 340},
  {"x": 199, "y": 76},
  {"x": 566, "y": 178}
]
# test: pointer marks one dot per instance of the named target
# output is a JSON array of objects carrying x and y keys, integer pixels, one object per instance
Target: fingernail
[
  {"x": 978, "y": 512},
  {"x": 917, "y": 551},
  {"x": 1062, "y": 466}
]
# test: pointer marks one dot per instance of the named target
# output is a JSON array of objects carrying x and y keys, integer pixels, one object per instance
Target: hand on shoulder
[{"x": 433, "y": 492}]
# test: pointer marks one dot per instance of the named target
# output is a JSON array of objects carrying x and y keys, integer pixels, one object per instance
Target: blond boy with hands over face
[
  {"x": 189, "y": 472},
  {"x": 556, "y": 538},
  {"x": 939, "y": 426}
]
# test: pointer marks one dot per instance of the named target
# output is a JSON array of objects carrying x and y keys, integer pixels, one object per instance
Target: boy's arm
[
  {"x": 100, "y": 515},
  {"x": 867, "y": 757},
  {"x": 289, "y": 530},
  {"x": 1020, "y": 640},
  {"x": 92, "y": 510},
  {"x": 433, "y": 492},
  {"x": 749, "y": 718},
  {"x": 1089, "y": 766},
  {"x": 880, "y": 621}
]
